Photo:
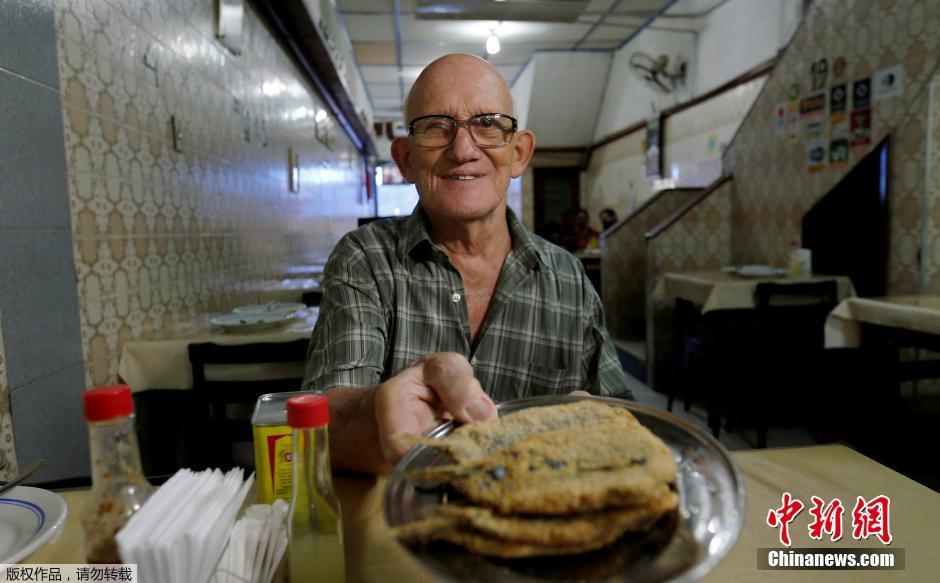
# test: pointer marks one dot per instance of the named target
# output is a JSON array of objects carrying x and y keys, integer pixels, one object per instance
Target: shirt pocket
[{"x": 540, "y": 379}]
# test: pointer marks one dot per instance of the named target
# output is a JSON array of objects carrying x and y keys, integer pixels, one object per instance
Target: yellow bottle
[{"x": 316, "y": 533}]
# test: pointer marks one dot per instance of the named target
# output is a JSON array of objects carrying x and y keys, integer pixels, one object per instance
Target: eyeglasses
[{"x": 488, "y": 130}]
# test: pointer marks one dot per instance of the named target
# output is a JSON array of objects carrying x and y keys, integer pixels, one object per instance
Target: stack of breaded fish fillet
[{"x": 550, "y": 480}]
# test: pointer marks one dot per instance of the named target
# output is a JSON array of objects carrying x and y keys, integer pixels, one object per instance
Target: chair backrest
[
  {"x": 228, "y": 403},
  {"x": 794, "y": 315}
]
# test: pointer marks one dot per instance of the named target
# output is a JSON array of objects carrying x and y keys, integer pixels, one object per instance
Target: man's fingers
[{"x": 451, "y": 377}]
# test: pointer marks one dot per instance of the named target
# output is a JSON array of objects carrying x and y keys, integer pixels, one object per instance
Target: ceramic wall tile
[
  {"x": 623, "y": 270},
  {"x": 7, "y": 443},
  {"x": 167, "y": 228}
]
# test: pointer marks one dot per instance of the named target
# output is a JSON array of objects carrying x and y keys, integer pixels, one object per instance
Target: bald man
[{"x": 443, "y": 313}]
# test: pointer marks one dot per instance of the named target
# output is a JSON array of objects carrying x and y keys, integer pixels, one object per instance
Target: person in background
[
  {"x": 585, "y": 234},
  {"x": 568, "y": 236},
  {"x": 442, "y": 314},
  {"x": 608, "y": 218}
]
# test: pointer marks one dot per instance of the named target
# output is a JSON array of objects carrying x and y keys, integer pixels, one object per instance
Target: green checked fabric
[{"x": 390, "y": 295}]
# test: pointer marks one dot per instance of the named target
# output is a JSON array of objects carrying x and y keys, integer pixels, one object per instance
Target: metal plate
[{"x": 711, "y": 513}]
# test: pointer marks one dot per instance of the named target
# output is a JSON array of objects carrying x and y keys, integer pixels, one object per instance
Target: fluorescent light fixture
[
  {"x": 492, "y": 44},
  {"x": 320, "y": 115}
]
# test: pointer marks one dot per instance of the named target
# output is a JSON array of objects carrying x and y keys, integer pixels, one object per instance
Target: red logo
[
  {"x": 871, "y": 518},
  {"x": 783, "y": 516},
  {"x": 826, "y": 519}
]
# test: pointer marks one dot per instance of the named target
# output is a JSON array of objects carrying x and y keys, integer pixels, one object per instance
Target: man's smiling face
[{"x": 462, "y": 180}]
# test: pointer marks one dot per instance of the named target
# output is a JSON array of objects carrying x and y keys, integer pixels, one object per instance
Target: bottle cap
[
  {"x": 110, "y": 402},
  {"x": 308, "y": 411}
]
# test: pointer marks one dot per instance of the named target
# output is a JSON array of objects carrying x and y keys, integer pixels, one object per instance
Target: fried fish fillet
[
  {"x": 574, "y": 530},
  {"x": 553, "y": 480},
  {"x": 610, "y": 463}
]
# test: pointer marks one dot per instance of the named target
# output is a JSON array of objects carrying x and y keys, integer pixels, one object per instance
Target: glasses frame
[{"x": 466, "y": 124}]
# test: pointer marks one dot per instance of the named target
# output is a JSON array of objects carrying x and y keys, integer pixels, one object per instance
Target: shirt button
[
  {"x": 455, "y": 298},
  {"x": 473, "y": 361}
]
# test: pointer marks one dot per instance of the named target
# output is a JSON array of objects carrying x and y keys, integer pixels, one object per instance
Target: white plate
[
  {"x": 28, "y": 517},
  {"x": 757, "y": 271},
  {"x": 252, "y": 322},
  {"x": 282, "y": 308}
]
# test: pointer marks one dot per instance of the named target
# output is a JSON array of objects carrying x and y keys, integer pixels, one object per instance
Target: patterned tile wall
[
  {"x": 616, "y": 176},
  {"x": 931, "y": 215},
  {"x": 163, "y": 235},
  {"x": 623, "y": 269},
  {"x": 773, "y": 185},
  {"x": 7, "y": 448},
  {"x": 700, "y": 240}
]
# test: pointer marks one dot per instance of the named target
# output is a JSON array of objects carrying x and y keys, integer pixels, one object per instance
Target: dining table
[
  {"x": 163, "y": 363},
  {"x": 728, "y": 290},
  {"x": 826, "y": 471},
  {"x": 917, "y": 314}
]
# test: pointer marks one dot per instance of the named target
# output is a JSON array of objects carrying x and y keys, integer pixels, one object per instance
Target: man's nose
[{"x": 463, "y": 147}]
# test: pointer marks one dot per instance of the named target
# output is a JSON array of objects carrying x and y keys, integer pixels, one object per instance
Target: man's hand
[{"x": 435, "y": 388}]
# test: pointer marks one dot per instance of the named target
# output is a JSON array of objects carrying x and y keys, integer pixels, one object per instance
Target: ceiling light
[
  {"x": 492, "y": 44},
  {"x": 320, "y": 115}
]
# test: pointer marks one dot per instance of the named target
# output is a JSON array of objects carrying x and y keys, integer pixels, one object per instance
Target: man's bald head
[{"x": 443, "y": 71}]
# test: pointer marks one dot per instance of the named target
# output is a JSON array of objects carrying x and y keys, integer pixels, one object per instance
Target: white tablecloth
[
  {"x": 914, "y": 313},
  {"x": 164, "y": 363},
  {"x": 719, "y": 290}
]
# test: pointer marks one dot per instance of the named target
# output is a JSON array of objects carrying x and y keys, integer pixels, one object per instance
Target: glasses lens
[
  {"x": 434, "y": 131},
  {"x": 491, "y": 130}
]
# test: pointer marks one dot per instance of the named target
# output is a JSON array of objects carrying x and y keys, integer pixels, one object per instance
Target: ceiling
[{"x": 394, "y": 40}]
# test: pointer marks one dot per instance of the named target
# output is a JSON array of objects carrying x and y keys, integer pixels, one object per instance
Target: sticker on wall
[
  {"x": 839, "y": 127},
  {"x": 838, "y": 67},
  {"x": 861, "y": 127},
  {"x": 816, "y": 155},
  {"x": 839, "y": 153},
  {"x": 819, "y": 74},
  {"x": 780, "y": 119},
  {"x": 793, "y": 119},
  {"x": 813, "y": 115},
  {"x": 712, "y": 148},
  {"x": 888, "y": 82},
  {"x": 861, "y": 93},
  {"x": 814, "y": 128},
  {"x": 813, "y": 106},
  {"x": 837, "y": 98}
]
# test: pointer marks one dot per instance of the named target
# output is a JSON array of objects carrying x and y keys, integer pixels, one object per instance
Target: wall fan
[{"x": 656, "y": 71}]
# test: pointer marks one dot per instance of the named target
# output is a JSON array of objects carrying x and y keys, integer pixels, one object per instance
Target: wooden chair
[
  {"x": 227, "y": 405},
  {"x": 784, "y": 358},
  {"x": 751, "y": 359}
]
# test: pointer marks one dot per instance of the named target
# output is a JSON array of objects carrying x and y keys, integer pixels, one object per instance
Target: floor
[{"x": 740, "y": 439}]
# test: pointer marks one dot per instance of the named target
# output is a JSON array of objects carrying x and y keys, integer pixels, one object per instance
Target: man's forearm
[{"x": 354, "y": 436}]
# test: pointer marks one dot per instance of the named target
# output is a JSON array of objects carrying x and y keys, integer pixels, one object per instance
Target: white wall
[
  {"x": 566, "y": 93},
  {"x": 616, "y": 177},
  {"x": 522, "y": 94},
  {"x": 627, "y": 97},
  {"x": 694, "y": 137},
  {"x": 741, "y": 34}
]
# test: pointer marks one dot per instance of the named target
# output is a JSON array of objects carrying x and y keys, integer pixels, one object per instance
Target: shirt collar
[{"x": 415, "y": 236}]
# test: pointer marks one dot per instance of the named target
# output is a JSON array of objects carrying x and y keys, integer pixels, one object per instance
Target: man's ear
[
  {"x": 402, "y": 155},
  {"x": 523, "y": 146}
]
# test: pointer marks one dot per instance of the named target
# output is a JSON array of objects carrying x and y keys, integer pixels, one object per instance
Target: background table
[
  {"x": 720, "y": 290},
  {"x": 915, "y": 313},
  {"x": 824, "y": 471},
  {"x": 164, "y": 363}
]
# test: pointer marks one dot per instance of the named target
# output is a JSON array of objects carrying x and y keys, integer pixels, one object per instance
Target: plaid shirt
[{"x": 390, "y": 295}]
